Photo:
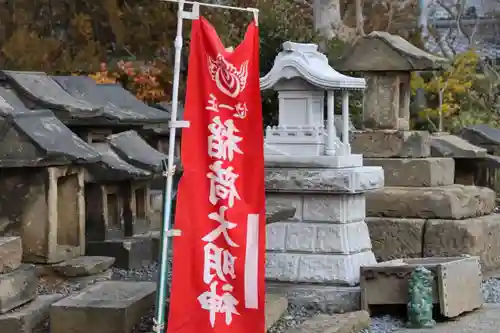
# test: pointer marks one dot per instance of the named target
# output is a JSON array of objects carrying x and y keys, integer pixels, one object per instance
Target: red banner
[{"x": 218, "y": 268}]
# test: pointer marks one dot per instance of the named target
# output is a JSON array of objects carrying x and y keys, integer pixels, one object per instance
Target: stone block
[
  {"x": 278, "y": 212},
  {"x": 446, "y": 144},
  {"x": 106, "y": 307},
  {"x": 334, "y": 208},
  {"x": 311, "y": 237},
  {"x": 276, "y": 306},
  {"x": 456, "y": 286},
  {"x": 329, "y": 299},
  {"x": 391, "y": 143},
  {"x": 84, "y": 281},
  {"x": 415, "y": 172},
  {"x": 287, "y": 199},
  {"x": 130, "y": 253},
  {"x": 83, "y": 266},
  {"x": 310, "y": 180},
  {"x": 11, "y": 254},
  {"x": 155, "y": 238},
  {"x": 475, "y": 236},
  {"x": 352, "y": 322},
  {"x": 17, "y": 287},
  {"x": 317, "y": 268},
  {"x": 394, "y": 238},
  {"x": 31, "y": 317},
  {"x": 446, "y": 202}
]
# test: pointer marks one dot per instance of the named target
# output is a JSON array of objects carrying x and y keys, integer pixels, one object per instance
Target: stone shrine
[
  {"x": 420, "y": 202},
  {"x": 316, "y": 256},
  {"x": 42, "y": 177}
]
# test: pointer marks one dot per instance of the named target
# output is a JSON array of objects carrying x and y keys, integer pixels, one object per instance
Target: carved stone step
[
  {"x": 130, "y": 253},
  {"x": 11, "y": 253},
  {"x": 17, "y": 287},
  {"x": 351, "y": 322},
  {"x": 83, "y": 266},
  {"x": 106, "y": 307},
  {"x": 276, "y": 306},
  {"x": 415, "y": 172},
  {"x": 30, "y": 317},
  {"x": 444, "y": 202}
]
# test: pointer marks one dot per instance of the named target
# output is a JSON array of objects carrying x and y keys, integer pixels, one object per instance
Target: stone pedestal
[
  {"x": 327, "y": 241},
  {"x": 421, "y": 212}
]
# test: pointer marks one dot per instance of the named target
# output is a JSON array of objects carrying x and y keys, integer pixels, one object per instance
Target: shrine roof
[
  {"x": 37, "y": 137},
  {"x": 112, "y": 167},
  {"x": 482, "y": 135},
  {"x": 164, "y": 129},
  {"x": 125, "y": 100},
  {"x": 42, "y": 90},
  {"x": 305, "y": 62},
  {"x": 384, "y": 52},
  {"x": 118, "y": 104},
  {"x": 133, "y": 149}
]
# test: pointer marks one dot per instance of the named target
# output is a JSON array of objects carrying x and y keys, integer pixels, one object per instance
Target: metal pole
[
  {"x": 169, "y": 172},
  {"x": 247, "y": 9}
]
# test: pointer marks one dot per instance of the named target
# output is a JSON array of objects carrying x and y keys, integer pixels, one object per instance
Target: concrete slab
[
  {"x": 11, "y": 253},
  {"x": 154, "y": 237},
  {"x": 484, "y": 320},
  {"x": 329, "y": 299},
  {"x": 391, "y": 143},
  {"x": 276, "y": 305},
  {"x": 130, "y": 253},
  {"x": 415, "y": 172},
  {"x": 17, "y": 287},
  {"x": 30, "y": 317},
  {"x": 107, "y": 307},
  {"x": 453, "y": 202},
  {"x": 83, "y": 266},
  {"x": 352, "y": 322}
]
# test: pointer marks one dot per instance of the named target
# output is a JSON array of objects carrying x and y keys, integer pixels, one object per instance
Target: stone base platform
[
  {"x": 415, "y": 172},
  {"x": 329, "y": 299},
  {"x": 338, "y": 269},
  {"x": 322, "y": 161},
  {"x": 352, "y": 322},
  {"x": 17, "y": 287},
  {"x": 391, "y": 143},
  {"x": 394, "y": 238},
  {"x": 318, "y": 180},
  {"x": 106, "y": 307},
  {"x": 129, "y": 253},
  {"x": 83, "y": 266},
  {"x": 445, "y": 202},
  {"x": 31, "y": 317},
  {"x": 310, "y": 237}
]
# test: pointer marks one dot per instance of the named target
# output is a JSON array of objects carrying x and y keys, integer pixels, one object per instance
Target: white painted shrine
[
  {"x": 315, "y": 257},
  {"x": 304, "y": 81}
]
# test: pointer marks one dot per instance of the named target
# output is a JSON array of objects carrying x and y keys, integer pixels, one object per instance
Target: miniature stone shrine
[
  {"x": 420, "y": 201},
  {"x": 386, "y": 62},
  {"x": 316, "y": 256},
  {"x": 42, "y": 196},
  {"x": 118, "y": 199},
  {"x": 117, "y": 188}
]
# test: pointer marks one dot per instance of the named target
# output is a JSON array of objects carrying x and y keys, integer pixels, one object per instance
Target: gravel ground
[{"x": 295, "y": 314}]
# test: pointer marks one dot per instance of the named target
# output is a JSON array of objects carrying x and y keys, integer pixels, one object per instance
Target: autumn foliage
[{"x": 147, "y": 81}]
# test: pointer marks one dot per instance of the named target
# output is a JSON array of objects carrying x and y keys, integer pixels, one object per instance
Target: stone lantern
[
  {"x": 315, "y": 257},
  {"x": 304, "y": 80}
]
